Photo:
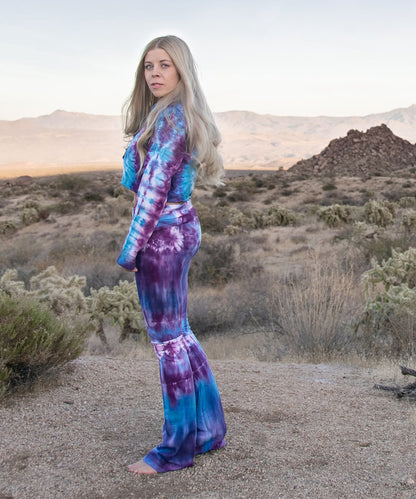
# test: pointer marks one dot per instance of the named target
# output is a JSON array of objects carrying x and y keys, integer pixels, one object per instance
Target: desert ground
[{"x": 295, "y": 430}]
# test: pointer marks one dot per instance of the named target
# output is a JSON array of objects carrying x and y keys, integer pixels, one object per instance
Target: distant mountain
[
  {"x": 250, "y": 140},
  {"x": 267, "y": 141},
  {"x": 374, "y": 152}
]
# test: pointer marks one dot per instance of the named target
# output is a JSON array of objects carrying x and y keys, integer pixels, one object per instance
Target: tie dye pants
[{"x": 194, "y": 418}]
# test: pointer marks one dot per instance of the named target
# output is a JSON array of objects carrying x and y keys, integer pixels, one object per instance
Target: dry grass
[{"x": 317, "y": 309}]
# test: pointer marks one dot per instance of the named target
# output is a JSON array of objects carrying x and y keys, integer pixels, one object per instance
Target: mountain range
[{"x": 67, "y": 141}]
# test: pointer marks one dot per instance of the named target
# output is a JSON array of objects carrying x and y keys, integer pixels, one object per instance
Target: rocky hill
[{"x": 374, "y": 152}]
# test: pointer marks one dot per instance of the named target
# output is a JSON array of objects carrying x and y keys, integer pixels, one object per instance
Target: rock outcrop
[{"x": 374, "y": 152}]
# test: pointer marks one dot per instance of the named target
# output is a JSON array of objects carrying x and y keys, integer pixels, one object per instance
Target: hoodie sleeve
[{"x": 161, "y": 163}]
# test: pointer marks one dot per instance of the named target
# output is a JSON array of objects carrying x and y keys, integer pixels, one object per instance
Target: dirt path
[{"x": 293, "y": 431}]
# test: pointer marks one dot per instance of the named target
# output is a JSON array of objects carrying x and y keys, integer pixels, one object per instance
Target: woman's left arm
[{"x": 161, "y": 163}]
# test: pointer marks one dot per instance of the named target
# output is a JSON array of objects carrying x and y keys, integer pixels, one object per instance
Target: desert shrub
[
  {"x": 316, "y": 309},
  {"x": 32, "y": 340},
  {"x": 31, "y": 203},
  {"x": 7, "y": 227},
  {"x": 120, "y": 191},
  {"x": 335, "y": 215},
  {"x": 393, "y": 195},
  {"x": 220, "y": 191},
  {"x": 237, "y": 196},
  {"x": 379, "y": 213},
  {"x": 258, "y": 182},
  {"x": 389, "y": 321},
  {"x": 93, "y": 196},
  {"x": 212, "y": 218},
  {"x": 242, "y": 306},
  {"x": 70, "y": 182},
  {"x": 64, "y": 207},
  {"x": 98, "y": 273},
  {"x": 330, "y": 186},
  {"x": 29, "y": 216},
  {"x": 215, "y": 263},
  {"x": 220, "y": 260},
  {"x": 407, "y": 202}
]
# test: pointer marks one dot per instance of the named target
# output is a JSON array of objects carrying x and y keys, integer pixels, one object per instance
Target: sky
[{"x": 281, "y": 57}]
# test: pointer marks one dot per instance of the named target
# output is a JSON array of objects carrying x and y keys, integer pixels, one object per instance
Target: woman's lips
[{"x": 156, "y": 85}]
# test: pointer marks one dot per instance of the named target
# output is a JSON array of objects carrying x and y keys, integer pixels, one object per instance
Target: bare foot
[{"x": 141, "y": 468}]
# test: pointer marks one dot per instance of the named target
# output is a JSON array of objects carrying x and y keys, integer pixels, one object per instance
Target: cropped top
[{"x": 168, "y": 175}]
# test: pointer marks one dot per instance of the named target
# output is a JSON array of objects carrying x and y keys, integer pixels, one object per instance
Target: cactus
[
  {"x": 276, "y": 215},
  {"x": 335, "y": 215},
  {"x": 65, "y": 297},
  {"x": 409, "y": 220},
  {"x": 120, "y": 305},
  {"x": 380, "y": 213},
  {"x": 390, "y": 310}
]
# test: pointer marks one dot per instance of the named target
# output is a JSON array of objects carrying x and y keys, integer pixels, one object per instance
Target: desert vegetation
[{"x": 322, "y": 267}]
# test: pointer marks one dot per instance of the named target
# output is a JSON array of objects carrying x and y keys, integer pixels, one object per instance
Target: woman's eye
[
  {"x": 165, "y": 65},
  {"x": 147, "y": 66}
]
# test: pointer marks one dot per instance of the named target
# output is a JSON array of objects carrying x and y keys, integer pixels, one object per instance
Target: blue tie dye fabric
[{"x": 161, "y": 243}]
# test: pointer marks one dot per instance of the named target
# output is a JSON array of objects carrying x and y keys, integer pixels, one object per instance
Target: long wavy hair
[{"x": 202, "y": 133}]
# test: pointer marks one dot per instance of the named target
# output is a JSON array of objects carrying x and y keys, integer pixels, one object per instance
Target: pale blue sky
[{"x": 283, "y": 57}]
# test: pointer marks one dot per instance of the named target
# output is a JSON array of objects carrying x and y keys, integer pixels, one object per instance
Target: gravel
[{"x": 294, "y": 431}]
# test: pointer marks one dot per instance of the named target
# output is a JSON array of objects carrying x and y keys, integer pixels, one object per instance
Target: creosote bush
[{"x": 33, "y": 340}]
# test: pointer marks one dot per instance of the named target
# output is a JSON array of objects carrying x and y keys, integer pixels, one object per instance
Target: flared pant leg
[
  {"x": 194, "y": 419},
  {"x": 210, "y": 421}
]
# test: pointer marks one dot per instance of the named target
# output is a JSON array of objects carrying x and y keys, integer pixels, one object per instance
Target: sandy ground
[{"x": 294, "y": 430}]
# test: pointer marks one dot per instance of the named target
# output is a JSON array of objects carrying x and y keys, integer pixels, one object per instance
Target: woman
[{"x": 174, "y": 139}]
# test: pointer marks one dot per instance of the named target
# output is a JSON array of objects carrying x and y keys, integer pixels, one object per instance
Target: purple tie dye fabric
[{"x": 161, "y": 243}]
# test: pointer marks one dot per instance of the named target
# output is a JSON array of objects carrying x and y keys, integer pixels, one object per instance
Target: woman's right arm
[{"x": 162, "y": 162}]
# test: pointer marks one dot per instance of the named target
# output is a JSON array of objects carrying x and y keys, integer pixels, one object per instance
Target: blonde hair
[{"x": 202, "y": 133}]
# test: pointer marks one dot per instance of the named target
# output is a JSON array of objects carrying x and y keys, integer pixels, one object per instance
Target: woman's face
[{"x": 160, "y": 73}]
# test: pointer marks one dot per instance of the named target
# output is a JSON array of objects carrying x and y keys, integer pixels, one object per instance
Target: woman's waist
[{"x": 176, "y": 213}]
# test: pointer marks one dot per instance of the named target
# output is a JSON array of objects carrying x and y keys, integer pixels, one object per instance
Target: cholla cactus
[
  {"x": 335, "y": 215},
  {"x": 391, "y": 298},
  {"x": 120, "y": 305},
  {"x": 379, "y": 213},
  {"x": 276, "y": 215},
  {"x": 63, "y": 295},
  {"x": 409, "y": 220},
  {"x": 399, "y": 269},
  {"x": 11, "y": 285},
  {"x": 236, "y": 218},
  {"x": 407, "y": 202}
]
